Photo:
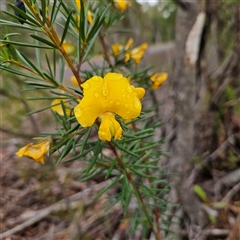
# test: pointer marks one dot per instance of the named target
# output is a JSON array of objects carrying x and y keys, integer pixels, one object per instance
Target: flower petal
[
  {"x": 158, "y": 79},
  {"x": 74, "y": 81},
  {"x": 127, "y": 57},
  {"x": 140, "y": 92},
  {"x": 109, "y": 127},
  {"x": 93, "y": 103},
  {"x": 121, "y": 98},
  {"x": 122, "y": 4},
  {"x": 78, "y": 4},
  {"x": 89, "y": 16},
  {"x": 69, "y": 48},
  {"x": 138, "y": 52},
  {"x": 36, "y": 152},
  {"x": 58, "y": 108},
  {"x": 116, "y": 48},
  {"x": 129, "y": 43}
]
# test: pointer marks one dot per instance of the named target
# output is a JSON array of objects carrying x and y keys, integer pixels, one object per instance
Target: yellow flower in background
[
  {"x": 69, "y": 48},
  {"x": 138, "y": 52},
  {"x": 89, "y": 14},
  {"x": 105, "y": 97},
  {"x": 158, "y": 79},
  {"x": 116, "y": 48},
  {"x": 78, "y": 4},
  {"x": 90, "y": 19},
  {"x": 129, "y": 43},
  {"x": 74, "y": 81},
  {"x": 58, "y": 106},
  {"x": 36, "y": 151},
  {"x": 127, "y": 57},
  {"x": 122, "y": 4}
]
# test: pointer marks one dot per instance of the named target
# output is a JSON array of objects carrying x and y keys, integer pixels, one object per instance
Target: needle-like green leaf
[
  {"x": 65, "y": 31},
  {"x": 43, "y": 40}
]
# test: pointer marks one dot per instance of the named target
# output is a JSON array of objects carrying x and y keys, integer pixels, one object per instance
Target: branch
[{"x": 104, "y": 47}]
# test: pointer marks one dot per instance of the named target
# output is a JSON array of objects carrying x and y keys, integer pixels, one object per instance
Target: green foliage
[
  {"x": 230, "y": 93},
  {"x": 200, "y": 192},
  {"x": 132, "y": 162}
]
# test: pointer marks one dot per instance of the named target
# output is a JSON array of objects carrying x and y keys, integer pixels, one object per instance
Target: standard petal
[
  {"x": 122, "y": 98},
  {"x": 93, "y": 103}
]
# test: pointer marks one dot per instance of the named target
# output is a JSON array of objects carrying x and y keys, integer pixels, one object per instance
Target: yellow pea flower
[
  {"x": 105, "y": 97},
  {"x": 138, "y": 52},
  {"x": 116, "y": 48},
  {"x": 122, "y": 4},
  {"x": 36, "y": 151},
  {"x": 158, "y": 79},
  {"x": 58, "y": 108}
]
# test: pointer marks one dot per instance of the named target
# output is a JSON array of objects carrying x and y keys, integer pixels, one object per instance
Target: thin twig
[
  {"x": 81, "y": 57},
  {"x": 104, "y": 47}
]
